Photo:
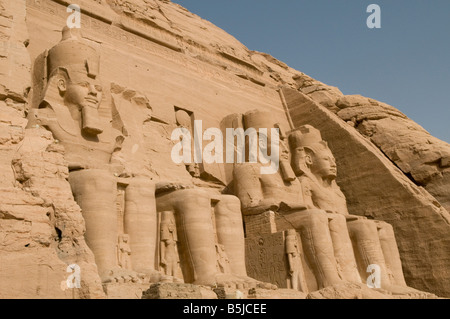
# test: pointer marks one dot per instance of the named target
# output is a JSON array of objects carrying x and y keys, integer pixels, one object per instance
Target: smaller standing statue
[
  {"x": 169, "y": 252},
  {"x": 223, "y": 263},
  {"x": 297, "y": 278},
  {"x": 124, "y": 252}
]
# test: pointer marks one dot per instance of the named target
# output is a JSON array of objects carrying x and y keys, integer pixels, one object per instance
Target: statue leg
[
  {"x": 390, "y": 252},
  {"x": 364, "y": 235},
  {"x": 140, "y": 223},
  {"x": 317, "y": 244},
  {"x": 95, "y": 192},
  {"x": 230, "y": 232},
  {"x": 193, "y": 216},
  {"x": 343, "y": 249}
]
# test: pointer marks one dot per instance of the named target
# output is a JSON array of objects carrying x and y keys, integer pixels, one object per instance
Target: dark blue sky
[{"x": 406, "y": 63}]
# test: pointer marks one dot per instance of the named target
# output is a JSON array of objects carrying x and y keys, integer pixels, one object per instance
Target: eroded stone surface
[{"x": 93, "y": 184}]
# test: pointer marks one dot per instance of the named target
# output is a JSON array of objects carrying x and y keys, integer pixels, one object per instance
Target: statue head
[
  {"x": 72, "y": 70},
  {"x": 311, "y": 154},
  {"x": 123, "y": 238},
  {"x": 265, "y": 141},
  {"x": 262, "y": 120}
]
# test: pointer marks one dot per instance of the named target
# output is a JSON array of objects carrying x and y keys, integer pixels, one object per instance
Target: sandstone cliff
[{"x": 390, "y": 168}]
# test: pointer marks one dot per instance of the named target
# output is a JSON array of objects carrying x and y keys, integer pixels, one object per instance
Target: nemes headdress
[
  {"x": 257, "y": 119},
  {"x": 305, "y": 136},
  {"x": 74, "y": 54},
  {"x": 300, "y": 140}
]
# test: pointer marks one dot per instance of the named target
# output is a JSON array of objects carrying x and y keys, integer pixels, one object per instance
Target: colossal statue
[
  {"x": 373, "y": 241},
  {"x": 337, "y": 246},
  {"x": 206, "y": 221},
  {"x": 70, "y": 110},
  {"x": 103, "y": 158},
  {"x": 324, "y": 236}
]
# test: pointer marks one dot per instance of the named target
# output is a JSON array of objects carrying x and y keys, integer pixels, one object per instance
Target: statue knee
[
  {"x": 192, "y": 196},
  {"x": 382, "y": 225},
  {"x": 230, "y": 203},
  {"x": 92, "y": 181},
  {"x": 140, "y": 188},
  {"x": 363, "y": 228},
  {"x": 385, "y": 230},
  {"x": 315, "y": 218},
  {"x": 337, "y": 219}
]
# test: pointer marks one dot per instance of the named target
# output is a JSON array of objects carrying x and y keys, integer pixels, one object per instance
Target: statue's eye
[
  {"x": 84, "y": 84},
  {"x": 99, "y": 88}
]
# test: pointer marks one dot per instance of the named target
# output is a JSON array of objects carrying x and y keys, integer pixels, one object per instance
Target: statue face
[
  {"x": 82, "y": 90},
  {"x": 323, "y": 164}
]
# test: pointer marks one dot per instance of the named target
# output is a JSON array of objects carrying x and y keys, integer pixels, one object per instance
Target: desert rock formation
[{"x": 95, "y": 184}]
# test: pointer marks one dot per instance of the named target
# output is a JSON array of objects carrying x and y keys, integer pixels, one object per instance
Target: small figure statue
[
  {"x": 124, "y": 252},
  {"x": 297, "y": 279},
  {"x": 223, "y": 263},
  {"x": 169, "y": 251}
]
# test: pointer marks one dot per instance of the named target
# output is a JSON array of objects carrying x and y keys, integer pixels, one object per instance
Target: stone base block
[
  {"x": 258, "y": 293},
  {"x": 124, "y": 290},
  {"x": 173, "y": 291}
]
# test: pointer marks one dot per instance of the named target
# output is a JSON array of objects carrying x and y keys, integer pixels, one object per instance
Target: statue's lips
[{"x": 91, "y": 100}]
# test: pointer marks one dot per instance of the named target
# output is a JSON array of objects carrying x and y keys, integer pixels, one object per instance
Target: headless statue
[{"x": 193, "y": 209}]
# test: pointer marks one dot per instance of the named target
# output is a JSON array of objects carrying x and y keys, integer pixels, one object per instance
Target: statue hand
[
  {"x": 354, "y": 217},
  {"x": 263, "y": 206},
  {"x": 292, "y": 206}
]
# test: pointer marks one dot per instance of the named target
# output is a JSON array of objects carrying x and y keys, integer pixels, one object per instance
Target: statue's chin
[{"x": 329, "y": 176}]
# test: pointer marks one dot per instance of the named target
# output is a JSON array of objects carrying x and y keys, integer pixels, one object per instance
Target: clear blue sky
[{"x": 406, "y": 63}]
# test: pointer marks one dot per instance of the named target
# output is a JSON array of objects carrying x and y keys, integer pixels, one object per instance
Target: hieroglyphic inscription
[{"x": 266, "y": 259}]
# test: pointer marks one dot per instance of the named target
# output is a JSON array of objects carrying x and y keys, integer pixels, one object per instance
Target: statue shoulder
[
  {"x": 44, "y": 116},
  {"x": 246, "y": 169}
]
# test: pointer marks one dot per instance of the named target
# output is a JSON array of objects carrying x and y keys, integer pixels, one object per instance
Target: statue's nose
[
  {"x": 92, "y": 90},
  {"x": 333, "y": 162}
]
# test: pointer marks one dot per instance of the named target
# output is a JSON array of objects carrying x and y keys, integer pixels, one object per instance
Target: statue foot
[
  {"x": 253, "y": 283},
  {"x": 232, "y": 281},
  {"x": 120, "y": 275},
  {"x": 170, "y": 279},
  {"x": 410, "y": 292},
  {"x": 151, "y": 275}
]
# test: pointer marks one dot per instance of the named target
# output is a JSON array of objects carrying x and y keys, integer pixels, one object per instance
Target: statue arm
[
  {"x": 45, "y": 117},
  {"x": 163, "y": 252},
  {"x": 248, "y": 189},
  {"x": 291, "y": 262},
  {"x": 307, "y": 193}
]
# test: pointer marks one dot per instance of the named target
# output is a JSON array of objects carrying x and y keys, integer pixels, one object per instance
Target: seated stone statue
[
  {"x": 373, "y": 241},
  {"x": 70, "y": 110},
  {"x": 324, "y": 236},
  {"x": 206, "y": 221}
]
